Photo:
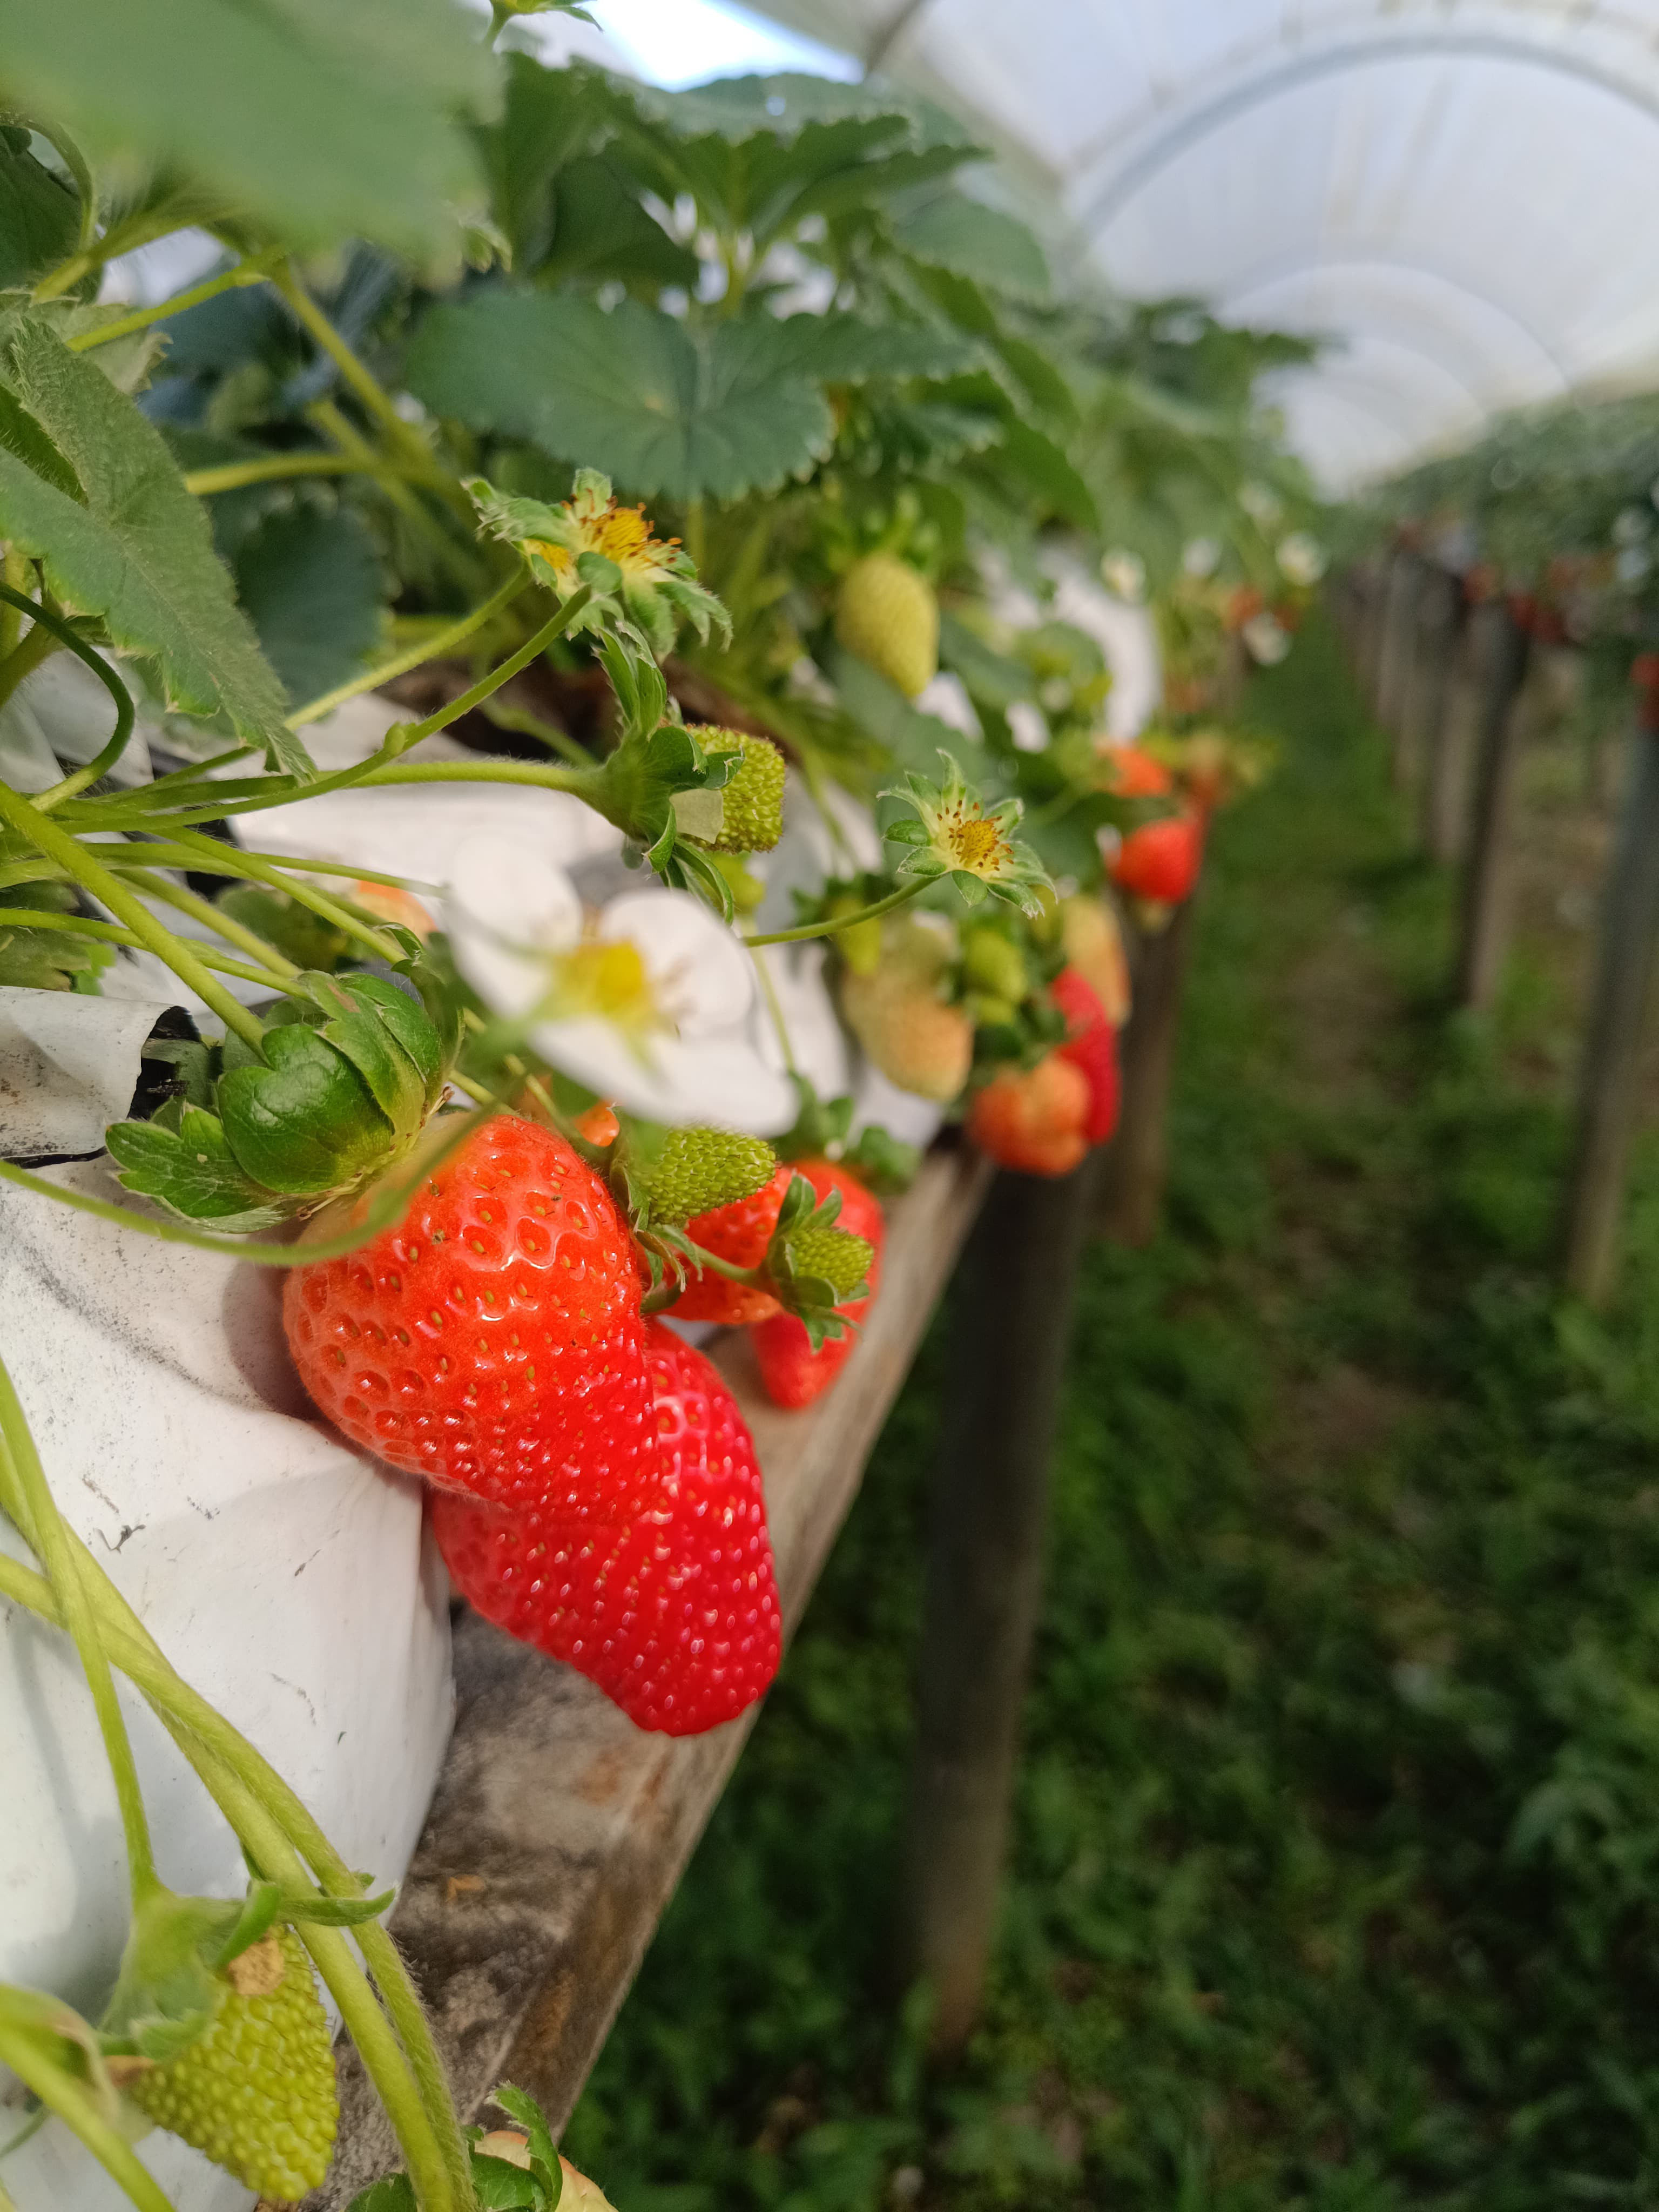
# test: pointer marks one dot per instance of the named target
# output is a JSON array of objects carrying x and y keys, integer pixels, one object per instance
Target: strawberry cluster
[{"x": 598, "y": 1492}]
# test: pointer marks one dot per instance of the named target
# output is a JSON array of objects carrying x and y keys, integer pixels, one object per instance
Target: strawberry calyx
[{"x": 348, "y": 1074}]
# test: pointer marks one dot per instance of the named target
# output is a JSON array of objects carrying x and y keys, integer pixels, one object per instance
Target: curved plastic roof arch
[{"x": 1453, "y": 192}]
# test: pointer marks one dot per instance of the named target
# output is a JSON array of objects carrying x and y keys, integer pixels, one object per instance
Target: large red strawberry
[
  {"x": 738, "y": 1234},
  {"x": 792, "y": 1373},
  {"x": 673, "y": 1613},
  {"x": 1160, "y": 861},
  {"x": 492, "y": 1341},
  {"x": 1091, "y": 1048}
]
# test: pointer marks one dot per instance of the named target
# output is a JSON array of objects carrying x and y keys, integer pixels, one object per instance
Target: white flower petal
[
  {"x": 509, "y": 904},
  {"x": 722, "y": 1079},
  {"x": 698, "y": 967},
  {"x": 417, "y": 829}
]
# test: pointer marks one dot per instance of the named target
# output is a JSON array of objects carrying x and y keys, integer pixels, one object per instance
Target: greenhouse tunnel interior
[{"x": 828, "y": 1105}]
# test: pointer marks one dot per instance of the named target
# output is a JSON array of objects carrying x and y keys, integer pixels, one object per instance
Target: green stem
[
  {"x": 61, "y": 2094},
  {"x": 900, "y": 898},
  {"x": 212, "y": 917},
  {"x": 105, "y": 760},
  {"x": 231, "y": 475},
  {"x": 582, "y": 781},
  {"x": 110, "y": 933},
  {"x": 229, "y": 280},
  {"x": 49, "y": 1539},
  {"x": 13, "y": 571},
  {"x": 325, "y": 908},
  {"x": 531, "y": 650},
  {"x": 44, "y": 834},
  {"x": 392, "y": 1198},
  {"x": 23, "y": 659},
  {"x": 237, "y": 1775},
  {"x": 434, "y": 649},
  {"x": 372, "y": 393}
]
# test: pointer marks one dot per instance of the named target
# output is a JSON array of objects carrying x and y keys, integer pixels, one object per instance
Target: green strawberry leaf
[
  {"x": 306, "y": 1122},
  {"x": 883, "y": 1161},
  {"x": 502, "y": 2187},
  {"x": 130, "y": 545},
  {"x": 314, "y": 586},
  {"x": 667, "y": 411},
  {"x": 949, "y": 230},
  {"x": 322, "y": 121},
  {"x": 192, "y": 1170},
  {"x": 394, "y": 2194},
  {"x": 519, "y": 2106},
  {"x": 39, "y": 216}
]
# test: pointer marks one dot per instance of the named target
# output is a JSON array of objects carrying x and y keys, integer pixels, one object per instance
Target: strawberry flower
[
  {"x": 648, "y": 1002},
  {"x": 955, "y": 834}
]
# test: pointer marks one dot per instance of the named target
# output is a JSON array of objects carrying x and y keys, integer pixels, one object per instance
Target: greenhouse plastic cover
[{"x": 1458, "y": 192}]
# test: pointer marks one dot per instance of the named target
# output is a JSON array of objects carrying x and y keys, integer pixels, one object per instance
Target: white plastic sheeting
[{"x": 1453, "y": 189}]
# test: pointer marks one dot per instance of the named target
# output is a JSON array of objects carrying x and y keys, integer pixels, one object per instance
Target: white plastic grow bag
[{"x": 286, "y": 1577}]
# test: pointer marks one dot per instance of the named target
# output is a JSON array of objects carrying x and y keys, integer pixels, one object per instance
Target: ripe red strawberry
[
  {"x": 1091, "y": 1049},
  {"x": 492, "y": 1341},
  {"x": 1034, "y": 1122},
  {"x": 1159, "y": 861},
  {"x": 792, "y": 1373},
  {"x": 738, "y": 1234},
  {"x": 674, "y": 1612}
]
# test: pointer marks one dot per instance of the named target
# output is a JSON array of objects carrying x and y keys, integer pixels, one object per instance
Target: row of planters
[
  {"x": 465, "y": 936},
  {"x": 1513, "y": 586}
]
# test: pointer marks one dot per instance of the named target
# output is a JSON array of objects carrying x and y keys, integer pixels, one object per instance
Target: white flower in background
[
  {"x": 1266, "y": 640},
  {"x": 1302, "y": 557},
  {"x": 1634, "y": 564},
  {"x": 1124, "y": 574},
  {"x": 1629, "y": 527},
  {"x": 1027, "y": 727},
  {"x": 648, "y": 1002},
  {"x": 1261, "y": 503},
  {"x": 1201, "y": 557}
]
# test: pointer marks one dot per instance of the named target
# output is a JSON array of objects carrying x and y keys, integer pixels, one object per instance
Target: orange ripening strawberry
[
  {"x": 491, "y": 1342},
  {"x": 673, "y": 1613},
  {"x": 737, "y": 1233},
  {"x": 1035, "y": 1122},
  {"x": 1132, "y": 774},
  {"x": 1091, "y": 1049},
  {"x": 1160, "y": 860},
  {"x": 793, "y": 1375}
]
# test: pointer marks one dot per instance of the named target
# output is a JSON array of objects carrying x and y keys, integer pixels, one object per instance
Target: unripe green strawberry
[
  {"x": 834, "y": 1256},
  {"x": 256, "y": 2092},
  {"x": 699, "y": 1168},
  {"x": 914, "y": 1038},
  {"x": 753, "y": 799},
  {"x": 994, "y": 965},
  {"x": 887, "y": 615}
]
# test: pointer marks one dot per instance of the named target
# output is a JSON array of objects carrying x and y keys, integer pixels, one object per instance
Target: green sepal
[
  {"x": 269, "y": 1903},
  {"x": 183, "y": 1160},
  {"x": 385, "y": 1035},
  {"x": 811, "y": 1299},
  {"x": 168, "y": 1989},
  {"x": 306, "y": 1122},
  {"x": 519, "y": 2106}
]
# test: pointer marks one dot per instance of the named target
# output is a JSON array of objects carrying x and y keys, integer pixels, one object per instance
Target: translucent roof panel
[{"x": 1454, "y": 191}]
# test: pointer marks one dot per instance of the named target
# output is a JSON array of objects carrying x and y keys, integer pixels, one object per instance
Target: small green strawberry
[
  {"x": 994, "y": 965},
  {"x": 886, "y": 614},
  {"x": 834, "y": 1256},
  {"x": 751, "y": 819},
  {"x": 698, "y": 1169},
  {"x": 256, "y": 2091}
]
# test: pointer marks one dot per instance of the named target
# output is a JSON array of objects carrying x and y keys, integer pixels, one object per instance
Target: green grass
[{"x": 1336, "y": 1877}]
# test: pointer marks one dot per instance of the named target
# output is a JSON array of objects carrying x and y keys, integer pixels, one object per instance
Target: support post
[
  {"x": 1608, "y": 1082},
  {"x": 1439, "y": 604},
  {"x": 1376, "y": 629},
  {"x": 1487, "y": 883},
  {"x": 1134, "y": 1166},
  {"x": 1394, "y": 664},
  {"x": 1446, "y": 798},
  {"x": 1011, "y": 1331}
]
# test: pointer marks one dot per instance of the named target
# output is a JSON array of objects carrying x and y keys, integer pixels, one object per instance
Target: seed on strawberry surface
[
  {"x": 491, "y": 1341},
  {"x": 674, "y": 1613},
  {"x": 738, "y": 1234}
]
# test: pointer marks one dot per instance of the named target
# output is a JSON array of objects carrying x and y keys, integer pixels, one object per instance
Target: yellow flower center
[
  {"x": 970, "y": 841},
  {"x": 606, "y": 977},
  {"x": 622, "y": 534}
]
